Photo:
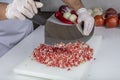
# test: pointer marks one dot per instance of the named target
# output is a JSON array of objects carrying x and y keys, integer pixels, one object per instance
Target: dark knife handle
[{"x": 38, "y": 19}]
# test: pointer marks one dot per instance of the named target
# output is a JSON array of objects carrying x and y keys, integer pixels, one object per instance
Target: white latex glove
[
  {"x": 21, "y": 8},
  {"x": 88, "y": 20}
]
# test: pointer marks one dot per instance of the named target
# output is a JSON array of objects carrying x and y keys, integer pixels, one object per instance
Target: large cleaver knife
[{"x": 56, "y": 31}]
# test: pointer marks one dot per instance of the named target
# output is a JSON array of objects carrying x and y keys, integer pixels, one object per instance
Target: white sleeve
[{"x": 6, "y": 1}]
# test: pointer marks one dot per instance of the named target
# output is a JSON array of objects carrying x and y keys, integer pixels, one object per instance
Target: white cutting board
[{"x": 32, "y": 68}]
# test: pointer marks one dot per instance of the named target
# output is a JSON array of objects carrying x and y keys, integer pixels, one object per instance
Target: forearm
[
  {"x": 75, "y": 4},
  {"x": 3, "y": 11},
  {"x": 79, "y": 5}
]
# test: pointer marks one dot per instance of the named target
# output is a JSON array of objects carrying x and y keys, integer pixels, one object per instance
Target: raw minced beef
[{"x": 63, "y": 55}]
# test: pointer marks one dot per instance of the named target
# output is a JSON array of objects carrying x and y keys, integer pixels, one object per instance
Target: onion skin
[
  {"x": 111, "y": 16},
  {"x": 99, "y": 9},
  {"x": 110, "y": 12},
  {"x": 90, "y": 11},
  {"x": 118, "y": 15},
  {"x": 119, "y": 22},
  {"x": 97, "y": 13},
  {"x": 99, "y": 20},
  {"x": 111, "y": 22},
  {"x": 119, "y": 18}
]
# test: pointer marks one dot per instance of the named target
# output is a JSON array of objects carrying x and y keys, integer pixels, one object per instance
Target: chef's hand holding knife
[
  {"x": 20, "y": 9},
  {"x": 83, "y": 16}
]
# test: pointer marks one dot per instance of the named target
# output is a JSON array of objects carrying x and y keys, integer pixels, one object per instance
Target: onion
[
  {"x": 118, "y": 15},
  {"x": 119, "y": 21},
  {"x": 110, "y": 11},
  {"x": 90, "y": 11},
  {"x": 66, "y": 15},
  {"x": 111, "y": 21},
  {"x": 97, "y": 10},
  {"x": 97, "y": 13},
  {"x": 64, "y": 8},
  {"x": 99, "y": 21},
  {"x": 73, "y": 17}
]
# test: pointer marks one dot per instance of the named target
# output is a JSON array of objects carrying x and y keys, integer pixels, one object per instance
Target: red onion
[
  {"x": 64, "y": 8},
  {"x": 110, "y": 11}
]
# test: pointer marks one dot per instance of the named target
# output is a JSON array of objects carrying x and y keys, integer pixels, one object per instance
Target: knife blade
[{"x": 56, "y": 33}]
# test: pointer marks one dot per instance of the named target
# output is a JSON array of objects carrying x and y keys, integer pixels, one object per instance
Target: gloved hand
[
  {"x": 88, "y": 20},
  {"x": 18, "y": 9}
]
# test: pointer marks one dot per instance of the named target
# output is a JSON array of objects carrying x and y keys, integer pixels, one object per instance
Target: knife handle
[{"x": 38, "y": 19}]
